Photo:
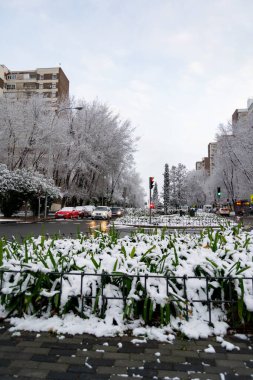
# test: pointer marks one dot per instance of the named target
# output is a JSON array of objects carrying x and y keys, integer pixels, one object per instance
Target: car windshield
[
  {"x": 67, "y": 209},
  {"x": 115, "y": 208},
  {"x": 101, "y": 208},
  {"x": 79, "y": 208}
]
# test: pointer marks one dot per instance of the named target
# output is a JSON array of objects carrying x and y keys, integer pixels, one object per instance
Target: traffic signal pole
[
  {"x": 149, "y": 205},
  {"x": 151, "y": 185}
]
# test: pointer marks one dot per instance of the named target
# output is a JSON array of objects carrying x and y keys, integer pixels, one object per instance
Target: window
[
  {"x": 41, "y": 77},
  {"x": 11, "y": 76},
  {"x": 53, "y": 85},
  {"x": 11, "y": 86},
  {"x": 54, "y": 76}
]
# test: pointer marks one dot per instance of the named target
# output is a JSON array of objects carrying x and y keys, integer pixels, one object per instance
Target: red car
[{"x": 67, "y": 213}]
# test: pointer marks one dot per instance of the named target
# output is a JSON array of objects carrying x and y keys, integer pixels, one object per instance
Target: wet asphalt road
[{"x": 53, "y": 227}]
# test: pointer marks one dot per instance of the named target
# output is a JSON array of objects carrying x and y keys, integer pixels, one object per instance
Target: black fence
[{"x": 225, "y": 294}]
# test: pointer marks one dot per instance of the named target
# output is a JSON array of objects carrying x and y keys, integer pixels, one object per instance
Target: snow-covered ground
[
  {"x": 200, "y": 220},
  {"x": 148, "y": 270}
]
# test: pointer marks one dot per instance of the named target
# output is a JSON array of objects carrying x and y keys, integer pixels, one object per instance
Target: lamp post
[{"x": 50, "y": 145}]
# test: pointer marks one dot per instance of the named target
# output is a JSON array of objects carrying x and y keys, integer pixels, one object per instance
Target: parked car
[
  {"x": 224, "y": 210},
  {"x": 67, "y": 213},
  {"x": 207, "y": 208},
  {"x": 89, "y": 209},
  {"x": 183, "y": 210},
  {"x": 102, "y": 212},
  {"x": 117, "y": 211},
  {"x": 83, "y": 213}
]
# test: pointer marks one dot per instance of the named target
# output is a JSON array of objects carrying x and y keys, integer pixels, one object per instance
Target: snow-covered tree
[
  {"x": 86, "y": 152},
  {"x": 155, "y": 197},
  {"x": 166, "y": 188}
]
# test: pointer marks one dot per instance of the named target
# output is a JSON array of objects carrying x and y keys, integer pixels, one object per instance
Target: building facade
[
  {"x": 52, "y": 83},
  {"x": 212, "y": 149}
]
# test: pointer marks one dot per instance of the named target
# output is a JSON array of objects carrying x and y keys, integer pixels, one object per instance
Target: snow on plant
[
  {"x": 201, "y": 220},
  {"x": 158, "y": 280}
]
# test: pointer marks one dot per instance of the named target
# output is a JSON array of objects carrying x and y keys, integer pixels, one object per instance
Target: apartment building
[
  {"x": 243, "y": 117},
  {"x": 204, "y": 165},
  {"x": 52, "y": 83},
  {"x": 212, "y": 149}
]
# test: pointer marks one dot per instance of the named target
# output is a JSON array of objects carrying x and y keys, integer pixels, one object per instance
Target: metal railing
[{"x": 225, "y": 297}]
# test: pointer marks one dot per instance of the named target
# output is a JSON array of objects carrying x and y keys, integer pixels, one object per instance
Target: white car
[{"x": 102, "y": 212}]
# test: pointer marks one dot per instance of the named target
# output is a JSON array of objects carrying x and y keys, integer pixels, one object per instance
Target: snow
[
  {"x": 227, "y": 345},
  {"x": 210, "y": 349},
  {"x": 88, "y": 263}
]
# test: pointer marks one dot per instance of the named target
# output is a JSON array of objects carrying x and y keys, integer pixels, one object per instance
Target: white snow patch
[{"x": 210, "y": 349}]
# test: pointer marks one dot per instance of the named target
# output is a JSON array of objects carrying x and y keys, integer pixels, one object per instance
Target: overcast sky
[{"x": 175, "y": 68}]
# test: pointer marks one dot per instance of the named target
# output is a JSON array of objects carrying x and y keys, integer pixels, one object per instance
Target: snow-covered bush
[
  {"x": 162, "y": 280},
  {"x": 22, "y": 185}
]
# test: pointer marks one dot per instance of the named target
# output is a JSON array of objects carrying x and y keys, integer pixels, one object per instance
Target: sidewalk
[{"x": 35, "y": 356}]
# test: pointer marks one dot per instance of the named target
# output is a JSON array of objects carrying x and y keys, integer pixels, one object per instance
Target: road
[
  {"x": 72, "y": 227},
  {"x": 54, "y": 227}
]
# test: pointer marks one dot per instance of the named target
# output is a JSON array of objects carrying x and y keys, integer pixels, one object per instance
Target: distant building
[
  {"x": 198, "y": 165},
  {"x": 52, "y": 83},
  {"x": 204, "y": 165},
  {"x": 243, "y": 117},
  {"x": 212, "y": 149}
]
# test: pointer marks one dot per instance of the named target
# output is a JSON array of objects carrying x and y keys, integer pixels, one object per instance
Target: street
[{"x": 52, "y": 227}]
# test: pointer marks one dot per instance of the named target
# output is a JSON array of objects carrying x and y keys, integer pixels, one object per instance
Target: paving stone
[
  {"x": 239, "y": 356},
  {"x": 105, "y": 348},
  {"x": 151, "y": 372},
  {"x": 61, "y": 352},
  {"x": 4, "y": 362},
  {"x": 173, "y": 374},
  {"x": 9, "y": 349},
  {"x": 205, "y": 376},
  {"x": 14, "y": 355},
  {"x": 111, "y": 370},
  {"x": 37, "y": 350},
  {"x": 249, "y": 363},
  {"x": 244, "y": 371},
  {"x": 77, "y": 369},
  {"x": 120, "y": 355},
  {"x": 59, "y": 367},
  {"x": 33, "y": 373},
  {"x": 24, "y": 364},
  {"x": 208, "y": 355},
  {"x": 181, "y": 367},
  {"x": 44, "y": 358},
  {"x": 128, "y": 363},
  {"x": 189, "y": 354},
  {"x": 234, "y": 377},
  {"x": 64, "y": 376},
  {"x": 101, "y": 362},
  {"x": 71, "y": 360},
  {"x": 25, "y": 343},
  {"x": 229, "y": 363},
  {"x": 159, "y": 366}
]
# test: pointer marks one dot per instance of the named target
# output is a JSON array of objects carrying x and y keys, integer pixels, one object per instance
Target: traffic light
[
  {"x": 218, "y": 192},
  {"x": 151, "y": 182},
  {"x": 152, "y": 205}
]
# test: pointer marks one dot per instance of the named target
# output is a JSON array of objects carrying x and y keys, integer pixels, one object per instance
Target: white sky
[{"x": 175, "y": 68}]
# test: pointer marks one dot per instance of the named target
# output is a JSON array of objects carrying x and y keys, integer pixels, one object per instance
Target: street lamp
[{"x": 79, "y": 108}]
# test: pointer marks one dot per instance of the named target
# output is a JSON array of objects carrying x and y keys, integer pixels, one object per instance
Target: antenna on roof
[{"x": 60, "y": 64}]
